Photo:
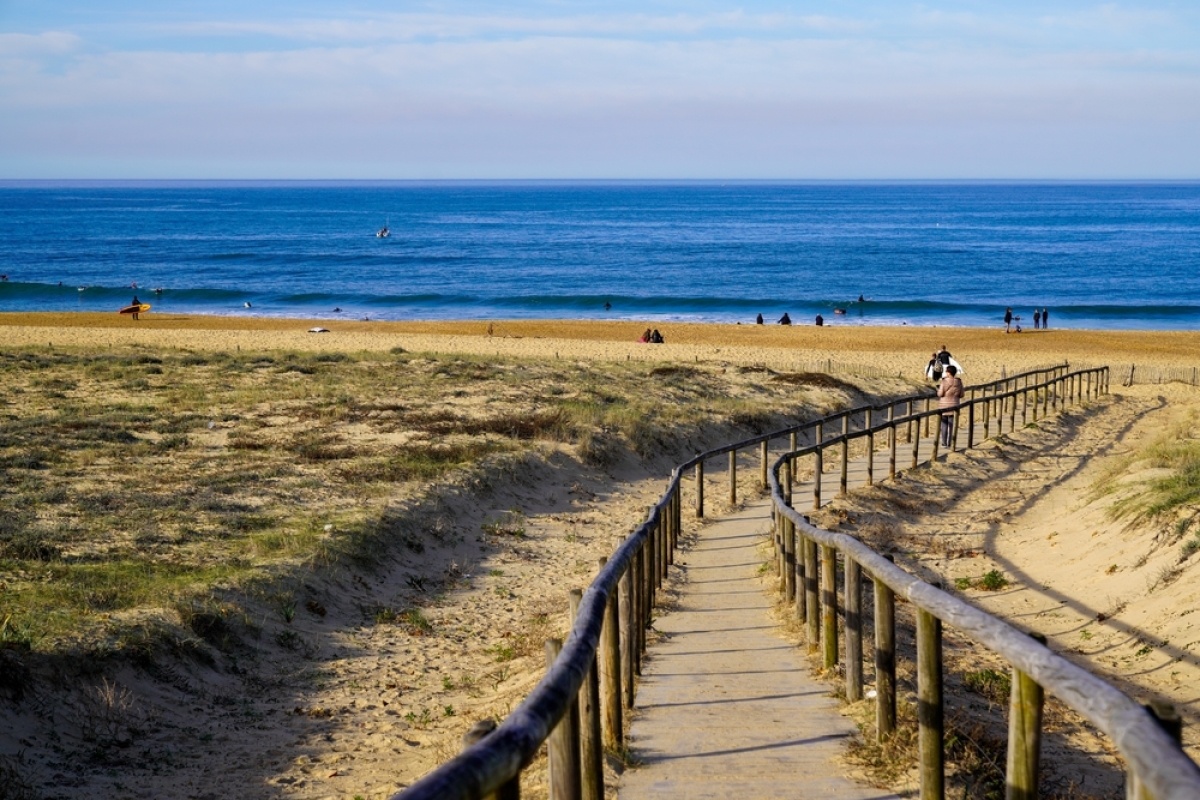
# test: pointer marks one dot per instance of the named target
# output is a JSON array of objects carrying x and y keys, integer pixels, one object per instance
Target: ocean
[{"x": 1097, "y": 255}]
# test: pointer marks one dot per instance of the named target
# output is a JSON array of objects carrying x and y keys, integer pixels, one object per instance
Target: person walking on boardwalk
[
  {"x": 1037, "y": 318},
  {"x": 1007, "y": 320},
  {"x": 950, "y": 394}
]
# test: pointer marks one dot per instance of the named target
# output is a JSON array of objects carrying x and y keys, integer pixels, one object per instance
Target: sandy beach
[
  {"x": 904, "y": 350},
  {"x": 338, "y": 701}
]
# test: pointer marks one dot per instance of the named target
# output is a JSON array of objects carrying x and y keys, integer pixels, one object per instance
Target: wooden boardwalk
[{"x": 726, "y": 707}]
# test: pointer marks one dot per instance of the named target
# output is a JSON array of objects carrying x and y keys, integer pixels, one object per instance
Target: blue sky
[{"x": 814, "y": 90}]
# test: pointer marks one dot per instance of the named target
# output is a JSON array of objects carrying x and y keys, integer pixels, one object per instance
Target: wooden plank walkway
[{"x": 726, "y": 707}]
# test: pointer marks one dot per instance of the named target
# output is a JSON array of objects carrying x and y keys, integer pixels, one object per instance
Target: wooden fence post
[
  {"x": 480, "y": 731},
  {"x": 829, "y": 605},
  {"x": 812, "y": 605},
  {"x": 870, "y": 450},
  {"x": 916, "y": 445},
  {"x": 563, "y": 743},
  {"x": 625, "y": 601},
  {"x": 610, "y": 671},
  {"x": 817, "y": 469},
  {"x": 1170, "y": 721},
  {"x": 885, "y": 659},
  {"x": 638, "y": 583},
  {"x": 700, "y": 488},
  {"x": 1024, "y": 735},
  {"x": 789, "y": 560},
  {"x": 971, "y": 424},
  {"x": 954, "y": 430},
  {"x": 892, "y": 436},
  {"x": 854, "y": 666},
  {"x": 926, "y": 420},
  {"x": 733, "y": 477},
  {"x": 591, "y": 755},
  {"x": 1012, "y": 412},
  {"x": 845, "y": 452},
  {"x": 929, "y": 705},
  {"x": 764, "y": 464},
  {"x": 908, "y": 406},
  {"x": 800, "y": 580}
]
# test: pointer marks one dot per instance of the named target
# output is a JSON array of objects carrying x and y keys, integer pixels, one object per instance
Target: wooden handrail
[{"x": 490, "y": 767}]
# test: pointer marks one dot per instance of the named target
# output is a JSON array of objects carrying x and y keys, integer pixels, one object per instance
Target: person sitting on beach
[
  {"x": 758, "y": 320},
  {"x": 820, "y": 321},
  {"x": 950, "y": 394},
  {"x": 934, "y": 369},
  {"x": 645, "y": 337},
  {"x": 656, "y": 337},
  {"x": 785, "y": 319}
]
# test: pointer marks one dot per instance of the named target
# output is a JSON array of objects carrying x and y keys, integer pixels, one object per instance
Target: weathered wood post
[
  {"x": 733, "y": 477},
  {"x": 625, "y": 601},
  {"x": 763, "y": 465},
  {"x": 870, "y": 450},
  {"x": 1170, "y": 721},
  {"x": 908, "y": 411},
  {"x": 640, "y": 619},
  {"x": 563, "y": 743},
  {"x": 916, "y": 445},
  {"x": 987, "y": 428},
  {"x": 926, "y": 420},
  {"x": 845, "y": 452},
  {"x": 929, "y": 705},
  {"x": 954, "y": 430},
  {"x": 829, "y": 605},
  {"x": 591, "y": 753},
  {"x": 664, "y": 549},
  {"x": 971, "y": 424},
  {"x": 1012, "y": 411},
  {"x": 610, "y": 671},
  {"x": 510, "y": 790},
  {"x": 700, "y": 488},
  {"x": 854, "y": 643},
  {"x": 812, "y": 604},
  {"x": 1024, "y": 735},
  {"x": 789, "y": 560},
  {"x": 801, "y": 593},
  {"x": 818, "y": 466},
  {"x": 892, "y": 436},
  {"x": 937, "y": 440},
  {"x": 1024, "y": 407},
  {"x": 791, "y": 474},
  {"x": 885, "y": 659}
]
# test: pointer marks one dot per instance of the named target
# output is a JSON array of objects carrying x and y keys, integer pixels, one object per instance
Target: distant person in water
[
  {"x": 839, "y": 311},
  {"x": 785, "y": 319},
  {"x": 1007, "y": 320},
  {"x": 608, "y": 306},
  {"x": 758, "y": 320},
  {"x": 247, "y": 304},
  {"x": 820, "y": 321},
  {"x": 861, "y": 299},
  {"x": 1037, "y": 318}
]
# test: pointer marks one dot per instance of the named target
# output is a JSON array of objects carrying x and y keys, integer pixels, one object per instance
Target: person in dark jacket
[
  {"x": 1045, "y": 319},
  {"x": 758, "y": 320},
  {"x": 820, "y": 320},
  {"x": 1007, "y": 320}
]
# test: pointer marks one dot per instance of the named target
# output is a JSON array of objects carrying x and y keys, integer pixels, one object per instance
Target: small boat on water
[{"x": 383, "y": 232}]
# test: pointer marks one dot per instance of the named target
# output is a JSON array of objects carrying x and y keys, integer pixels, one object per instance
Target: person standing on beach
[
  {"x": 950, "y": 394},
  {"x": 1037, "y": 318},
  {"x": 785, "y": 319},
  {"x": 1007, "y": 320},
  {"x": 1045, "y": 319},
  {"x": 758, "y": 320},
  {"x": 136, "y": 305}
]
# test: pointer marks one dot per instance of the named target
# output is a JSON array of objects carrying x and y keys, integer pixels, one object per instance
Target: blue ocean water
[{"x": 1097, "y": 255}]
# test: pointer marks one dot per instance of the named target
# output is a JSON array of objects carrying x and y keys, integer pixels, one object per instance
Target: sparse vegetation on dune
[{"x": 138, "y": 480}]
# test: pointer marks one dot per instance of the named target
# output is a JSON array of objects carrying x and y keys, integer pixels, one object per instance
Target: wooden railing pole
[
  {"x": 563, "y": 743},
  {"x": 829, "y": 605},
  {"x": 885, "y": 659},
  {"x": 870, "y": 450},
  {"x": 916, "y": 445},
  {"x": 929, "y": 705},
  {"x": 664, "y": 548},
  {"x": 937, "y": 440},
  {"x": 610, "y": 671},
  {"x": 764, "y": 464},
  {"x": 892, "y": 436},
  {"x": 651, "y": 575},
  {"x": 791, "y": 474},
  {"x": 954, "y": 430},
  {"x": 700, "y": 488},
  {"x": 800, "y": 580},
  {"x": 971, "y": 425},
  {"x": 854, "y": 643},
  {"x": 638, "y": 583},
  {"x": 789, "y": 560},
  {"x": 591, "y": 755},
  {"x": 926, "y": 419},
  {"x": 845, "y": 452},
  {"x": 480, "y": 731},
  {"x": 1024, "y": 735},
  {"x": 1170, "y": 721},
  {"x": 818, "y": 467},
  {"x": 625, "y": 601},
  {"x": 908, "y": 410},
  {"x": 1012, "y": 412},
  {"x": 733, "y": 477},
  {"x": 812, "y": 604}
]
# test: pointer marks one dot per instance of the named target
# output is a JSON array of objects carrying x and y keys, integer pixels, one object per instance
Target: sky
[{"x": 615, "y": 90}]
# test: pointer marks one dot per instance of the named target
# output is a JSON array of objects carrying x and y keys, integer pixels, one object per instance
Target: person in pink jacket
[{"x": 950, "y": 394}]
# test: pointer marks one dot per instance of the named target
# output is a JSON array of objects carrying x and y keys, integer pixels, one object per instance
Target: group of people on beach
[
  {"x": 652, "y": 337},
  {"x": 1041, "y": 320}
]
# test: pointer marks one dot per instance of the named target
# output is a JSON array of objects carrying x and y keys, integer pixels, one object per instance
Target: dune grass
[{"x": 140, "y": 482}]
